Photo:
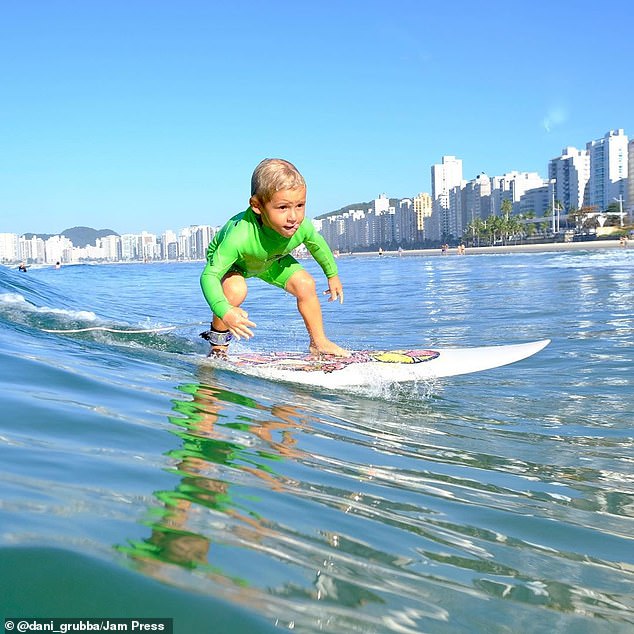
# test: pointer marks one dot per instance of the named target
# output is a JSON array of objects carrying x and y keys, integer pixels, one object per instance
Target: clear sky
[{"x": 149, "y": 115}]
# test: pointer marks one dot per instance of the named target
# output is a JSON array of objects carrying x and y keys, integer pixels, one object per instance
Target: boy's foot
[
  {"x": 328, "y": 348},
  {"x": 219, "y": 341},
  {"x": 218, "y": 352}
]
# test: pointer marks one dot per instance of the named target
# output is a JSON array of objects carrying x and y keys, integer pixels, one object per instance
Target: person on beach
[{"x": 257, "y": 243}]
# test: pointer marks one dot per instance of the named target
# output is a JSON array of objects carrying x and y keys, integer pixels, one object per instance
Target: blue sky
[{"x": 148, "y": 115}]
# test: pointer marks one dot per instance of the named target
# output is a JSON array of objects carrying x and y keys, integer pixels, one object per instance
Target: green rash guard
[{"x": 246, "y": 246}]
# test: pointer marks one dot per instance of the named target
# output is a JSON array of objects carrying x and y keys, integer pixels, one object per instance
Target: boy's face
[{"x": 284, "y": 212}]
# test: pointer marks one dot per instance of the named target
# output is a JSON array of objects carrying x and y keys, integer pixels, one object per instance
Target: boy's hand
[
  {"x": 238, "y": 322},
  {"x": 335, "y": 289}
]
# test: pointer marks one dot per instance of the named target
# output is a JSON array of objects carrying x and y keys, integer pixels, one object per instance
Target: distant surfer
[
  {"x": 22, "y": 267},
  {"x": 258, "y": 243},
  {"x": 58, "y": 265}
]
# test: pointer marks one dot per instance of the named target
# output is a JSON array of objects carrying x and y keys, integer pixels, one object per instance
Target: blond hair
[{"x": 272, "y": 175}]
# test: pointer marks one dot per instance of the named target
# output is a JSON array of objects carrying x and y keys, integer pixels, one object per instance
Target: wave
[{"x": 27, "y": 302}]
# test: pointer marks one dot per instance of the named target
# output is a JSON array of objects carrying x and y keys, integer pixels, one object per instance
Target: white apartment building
[
  {"x": 129, "y": 245},
  {"x": 608, "y": 169},
  {"x": 147, "y": 246},
  {"x": 512, "y": 186},
  {"x": 9, "y": 247},
  {"x": 58, "y": 249},
  {"x": 202, "y": 236},
  {"x": 630, "y": 179},
  {"x": 381, "y": 204},
  {"x": 476, "y": 199},
  {"x": 32, "y": 249},
  {"x": 445, "y": 177},
  {"x": 571, "y": 175},
  {"x": 194, "y": 240},
  {"x": 169, "y": 245},
  {"x": 404, "y": 222},
  {"x": 111, "y": 247}
]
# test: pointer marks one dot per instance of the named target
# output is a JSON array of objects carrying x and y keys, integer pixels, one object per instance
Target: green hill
[
  {"x": 83, "y": 236},
  {"x": 357, "y": 206},
  {"x": 79, "y": 236}
]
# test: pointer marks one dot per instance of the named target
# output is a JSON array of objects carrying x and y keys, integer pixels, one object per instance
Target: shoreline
[{"x": 542, "y": 247}]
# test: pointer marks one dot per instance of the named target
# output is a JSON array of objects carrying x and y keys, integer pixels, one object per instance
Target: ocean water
[{"x": 136, "y": 479}]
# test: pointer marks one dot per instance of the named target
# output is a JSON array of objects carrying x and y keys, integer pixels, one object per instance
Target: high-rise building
[
  {"x": 571, "y": 175},
  {"x": 32, "y": 249},
  {"x": 111, "y": 247},
  {"x": 9, "y": 247},
  {"x": 381, "y": 204},
  {"x": 512, "y": 186},
  {"x": 405, "y": 222},
  {"x": 630, "y": 179},
  {"x": 445, "y": 176},
  {"x": 129, "y": 246},
  {"x": 202, "y": 236},
  {"x": 476, "y": 199},
  {"x": 169, "y": 245},
  {"x": 147, "y": 246},
  {"x": 536, "y": 201},
  {"x": 608, "y": 169},
  {"x": 58, "y": 249},
  {"x": 422, "y": 215}
]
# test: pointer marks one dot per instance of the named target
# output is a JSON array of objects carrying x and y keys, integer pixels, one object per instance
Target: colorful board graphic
[{"x": 373, "y": 366}]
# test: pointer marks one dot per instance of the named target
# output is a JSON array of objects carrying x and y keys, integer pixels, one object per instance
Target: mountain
[
  {"x": 363, "y": 206},
  {"x": 79, "y": 236},
  {"x": 83, "y": 236}
]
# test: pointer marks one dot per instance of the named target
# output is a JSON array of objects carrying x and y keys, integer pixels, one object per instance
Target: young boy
[{"x": 257, "y": 243}]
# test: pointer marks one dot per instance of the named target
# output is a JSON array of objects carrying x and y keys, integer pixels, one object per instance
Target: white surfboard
[{"x": 374, "y": 366}]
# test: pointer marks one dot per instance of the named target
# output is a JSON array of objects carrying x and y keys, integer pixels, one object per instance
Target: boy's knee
[
  {"x": 235, "y": 288},
  {"x": 301, "y": 284}
]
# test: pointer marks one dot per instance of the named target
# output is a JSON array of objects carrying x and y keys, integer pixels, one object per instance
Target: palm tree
[
  {"x": 530, "y": 227},
  {"x": 494, "y": 226},
  {"x": 505, "y": 225},
  {"x": 506, "y": 208},
  {"x": 474, "y": 231},
  {"x": 513, "y": 226}
]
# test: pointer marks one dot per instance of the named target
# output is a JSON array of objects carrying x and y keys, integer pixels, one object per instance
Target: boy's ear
[{"x": 255, "y": 204}]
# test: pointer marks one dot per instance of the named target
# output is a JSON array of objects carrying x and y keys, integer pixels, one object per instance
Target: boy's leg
[
  {"x": 302, "y": 285},
  {"x": 234, "y": 287}
]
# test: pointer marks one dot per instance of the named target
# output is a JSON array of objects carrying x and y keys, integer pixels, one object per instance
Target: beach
[{"x": 542, "y": 247}]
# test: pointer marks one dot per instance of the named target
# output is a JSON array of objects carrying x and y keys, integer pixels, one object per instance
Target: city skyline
[
  {"x": 539, "y": 190},
  {"x": 125, "y": 116}
]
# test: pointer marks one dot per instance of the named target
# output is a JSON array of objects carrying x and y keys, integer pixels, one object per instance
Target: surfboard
[{"x": 365, "y": 367}]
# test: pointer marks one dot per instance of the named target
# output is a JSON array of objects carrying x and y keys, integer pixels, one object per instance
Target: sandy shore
[{"x": 591, "y": 245}]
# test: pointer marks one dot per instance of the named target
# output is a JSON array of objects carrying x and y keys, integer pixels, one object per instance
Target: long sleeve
[
  {"x": 319, "y": 249},
  {"x": 218, "y": 265}
]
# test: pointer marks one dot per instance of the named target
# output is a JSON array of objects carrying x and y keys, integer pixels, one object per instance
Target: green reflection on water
[{"x": 210, "y": 503}]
